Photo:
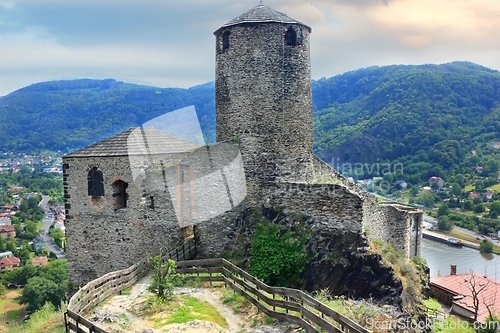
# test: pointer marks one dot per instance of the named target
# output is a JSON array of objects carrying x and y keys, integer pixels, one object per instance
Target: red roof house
[
  {"x": 39, "y": 261},
  {"x": 9, "y": 263},
  {"x": 458, "y": 290},
  {"x": 7, "y": 231},
  {"x": 474, "y": 195}
]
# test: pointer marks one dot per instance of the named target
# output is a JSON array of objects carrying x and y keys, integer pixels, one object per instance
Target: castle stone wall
[
  {"x": 204, "y": 187},
  {"x": 333, "y": 207},
  {"x": 263, "y": 101},
  {"x": 99, "y": 239},
  {"x": 395, "y": 224}
]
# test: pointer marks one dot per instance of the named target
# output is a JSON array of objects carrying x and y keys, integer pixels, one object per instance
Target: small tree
[
  {"x": 468, "y": 205},
  {"x": 444, "y": 223},
  {"x": 479, "y": 208},
  {"x": 486, "y": 246},
  {"x": 443, "y": 210},
  {"x": 475, "y": 289},
  {"x": 164, "y": 277}
]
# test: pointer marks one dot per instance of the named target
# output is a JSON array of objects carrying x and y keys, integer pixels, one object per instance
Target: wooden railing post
[
  {"x": 301, "y": 309},
  {"x": 66, "y": 322}
]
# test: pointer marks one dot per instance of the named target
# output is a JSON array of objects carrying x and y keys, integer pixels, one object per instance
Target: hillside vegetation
[
  {"x": 428, "y": 117},
  {"x": 68, "y": 115}
]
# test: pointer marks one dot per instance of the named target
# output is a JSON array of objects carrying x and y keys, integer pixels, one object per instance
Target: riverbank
[
  {"x": 467, "y": 240},
  {"x": 441, "y": 238},
  {"x": 440, "y": 257}
]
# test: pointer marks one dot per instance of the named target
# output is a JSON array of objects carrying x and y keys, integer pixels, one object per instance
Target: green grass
[
  {"x": 469, "y": 188},
  {"x": 45, "y": 320},
  {"x": 453, "y": 325},
  {"x": 432, "y": 305},
  {"x": 190, "y": 308},
  {"x": 496, "y": 188},
  {"x": 10, "y": 310},
  {"x": 125, "y": 291},
  {"x": 14, "y": 315},
  {"x": 236, "y": 301}
]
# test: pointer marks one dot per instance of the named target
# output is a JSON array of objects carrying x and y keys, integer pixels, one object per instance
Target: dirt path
[{"x": 115, "y": 315}]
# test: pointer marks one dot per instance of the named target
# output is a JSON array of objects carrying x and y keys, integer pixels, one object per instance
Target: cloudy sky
[{"x": 170, "y": 43}]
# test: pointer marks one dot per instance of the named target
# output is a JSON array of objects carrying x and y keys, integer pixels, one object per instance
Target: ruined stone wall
[
  {"x": 393, "y": 223},
  {"x": 397, "y": 225},
  {"x": 100, "y": 239},
  {"x": 333, "y": 207},
  {"x": 263, "y": 101},
  {"x": 165, "y": 193}
]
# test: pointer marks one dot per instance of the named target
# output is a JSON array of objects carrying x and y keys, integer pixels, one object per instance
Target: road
[{"x": 44, "y": 231}]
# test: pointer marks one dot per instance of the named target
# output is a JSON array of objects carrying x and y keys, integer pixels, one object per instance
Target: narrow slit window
[
  {"x": 120, "y": 194},
  {"x": 95, "y": 182},
  {"x": 291, "y": 37},
  {"x": 225, "y": 40}
]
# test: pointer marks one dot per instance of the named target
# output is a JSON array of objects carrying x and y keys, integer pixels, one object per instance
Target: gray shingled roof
[
  {"x": 261, "y": 14},
  {"x": 133, "y": 142}
]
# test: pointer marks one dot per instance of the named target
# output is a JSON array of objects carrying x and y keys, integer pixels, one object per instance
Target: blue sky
[{"x": 170, "y": 43}]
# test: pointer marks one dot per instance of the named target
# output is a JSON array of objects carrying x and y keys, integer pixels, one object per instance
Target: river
[{"x": 439, "y": 257}]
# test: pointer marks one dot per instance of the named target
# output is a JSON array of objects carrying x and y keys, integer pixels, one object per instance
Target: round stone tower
[{"x": 263, "y": 94}]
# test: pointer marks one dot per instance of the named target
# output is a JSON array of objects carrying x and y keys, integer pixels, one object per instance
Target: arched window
[
  {"x": 291, "y": 37},
  {"x": 225, "y": 40},
  {"x": 120, "y": 194},
  {"x": 95, "y": 182}
]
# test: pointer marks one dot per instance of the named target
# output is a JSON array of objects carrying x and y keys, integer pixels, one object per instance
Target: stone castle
[{"x": 138, "y": 191}]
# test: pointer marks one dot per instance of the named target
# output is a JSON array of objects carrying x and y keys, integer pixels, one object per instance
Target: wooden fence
[
  {"x": 285, "y": 304},
  {"x": 101, "y": 288}
]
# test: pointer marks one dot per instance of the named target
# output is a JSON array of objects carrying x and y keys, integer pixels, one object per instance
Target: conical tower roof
[{"x": 262, "y": 14}]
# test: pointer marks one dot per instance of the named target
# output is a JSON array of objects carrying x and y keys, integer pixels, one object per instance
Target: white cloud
[{"x": 171, "y": 43}]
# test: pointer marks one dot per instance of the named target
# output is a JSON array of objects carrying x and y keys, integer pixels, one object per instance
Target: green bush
[
  {"x": 486, "y": 246},
  {"x": 277, "y": 255}
]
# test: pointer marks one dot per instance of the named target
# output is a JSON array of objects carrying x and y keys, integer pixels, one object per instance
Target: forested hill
[
  {"x": 68, "y": 115},
  {"x": 427, "y": 116}
]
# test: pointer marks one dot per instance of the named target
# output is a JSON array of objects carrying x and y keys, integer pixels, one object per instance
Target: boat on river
[{"x": 454, "y": 242}]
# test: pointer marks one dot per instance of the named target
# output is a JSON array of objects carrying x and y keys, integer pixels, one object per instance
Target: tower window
[
  {"x": 120, "y": 194},
  {"x": 291, "y": 37},
  {"x": 95, "y": 182},
  {"x": 225, "y": 40}
]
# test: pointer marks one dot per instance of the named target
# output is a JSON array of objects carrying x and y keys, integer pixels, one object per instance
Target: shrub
[
  {"x": 486, "y": 246},
  {"x": 277, "y": 256}
]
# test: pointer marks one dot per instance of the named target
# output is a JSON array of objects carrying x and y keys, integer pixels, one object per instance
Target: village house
[
  {"x": 455, "y": 290},
  {"x": 38, "y": 245},
  {"x": 9, "y": 263},
  {"x": 488, "y": 195},
  {"x": 7, "y": 231},
  {"x": 474, "y": 195},
  {"x": 436, "y": 182},
  {"x": 402, "y": 184},
  {"x": 39, "y": 261}
]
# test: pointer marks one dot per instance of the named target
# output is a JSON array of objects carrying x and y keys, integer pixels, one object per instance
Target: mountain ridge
[{"x": 377, "y": 113}]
